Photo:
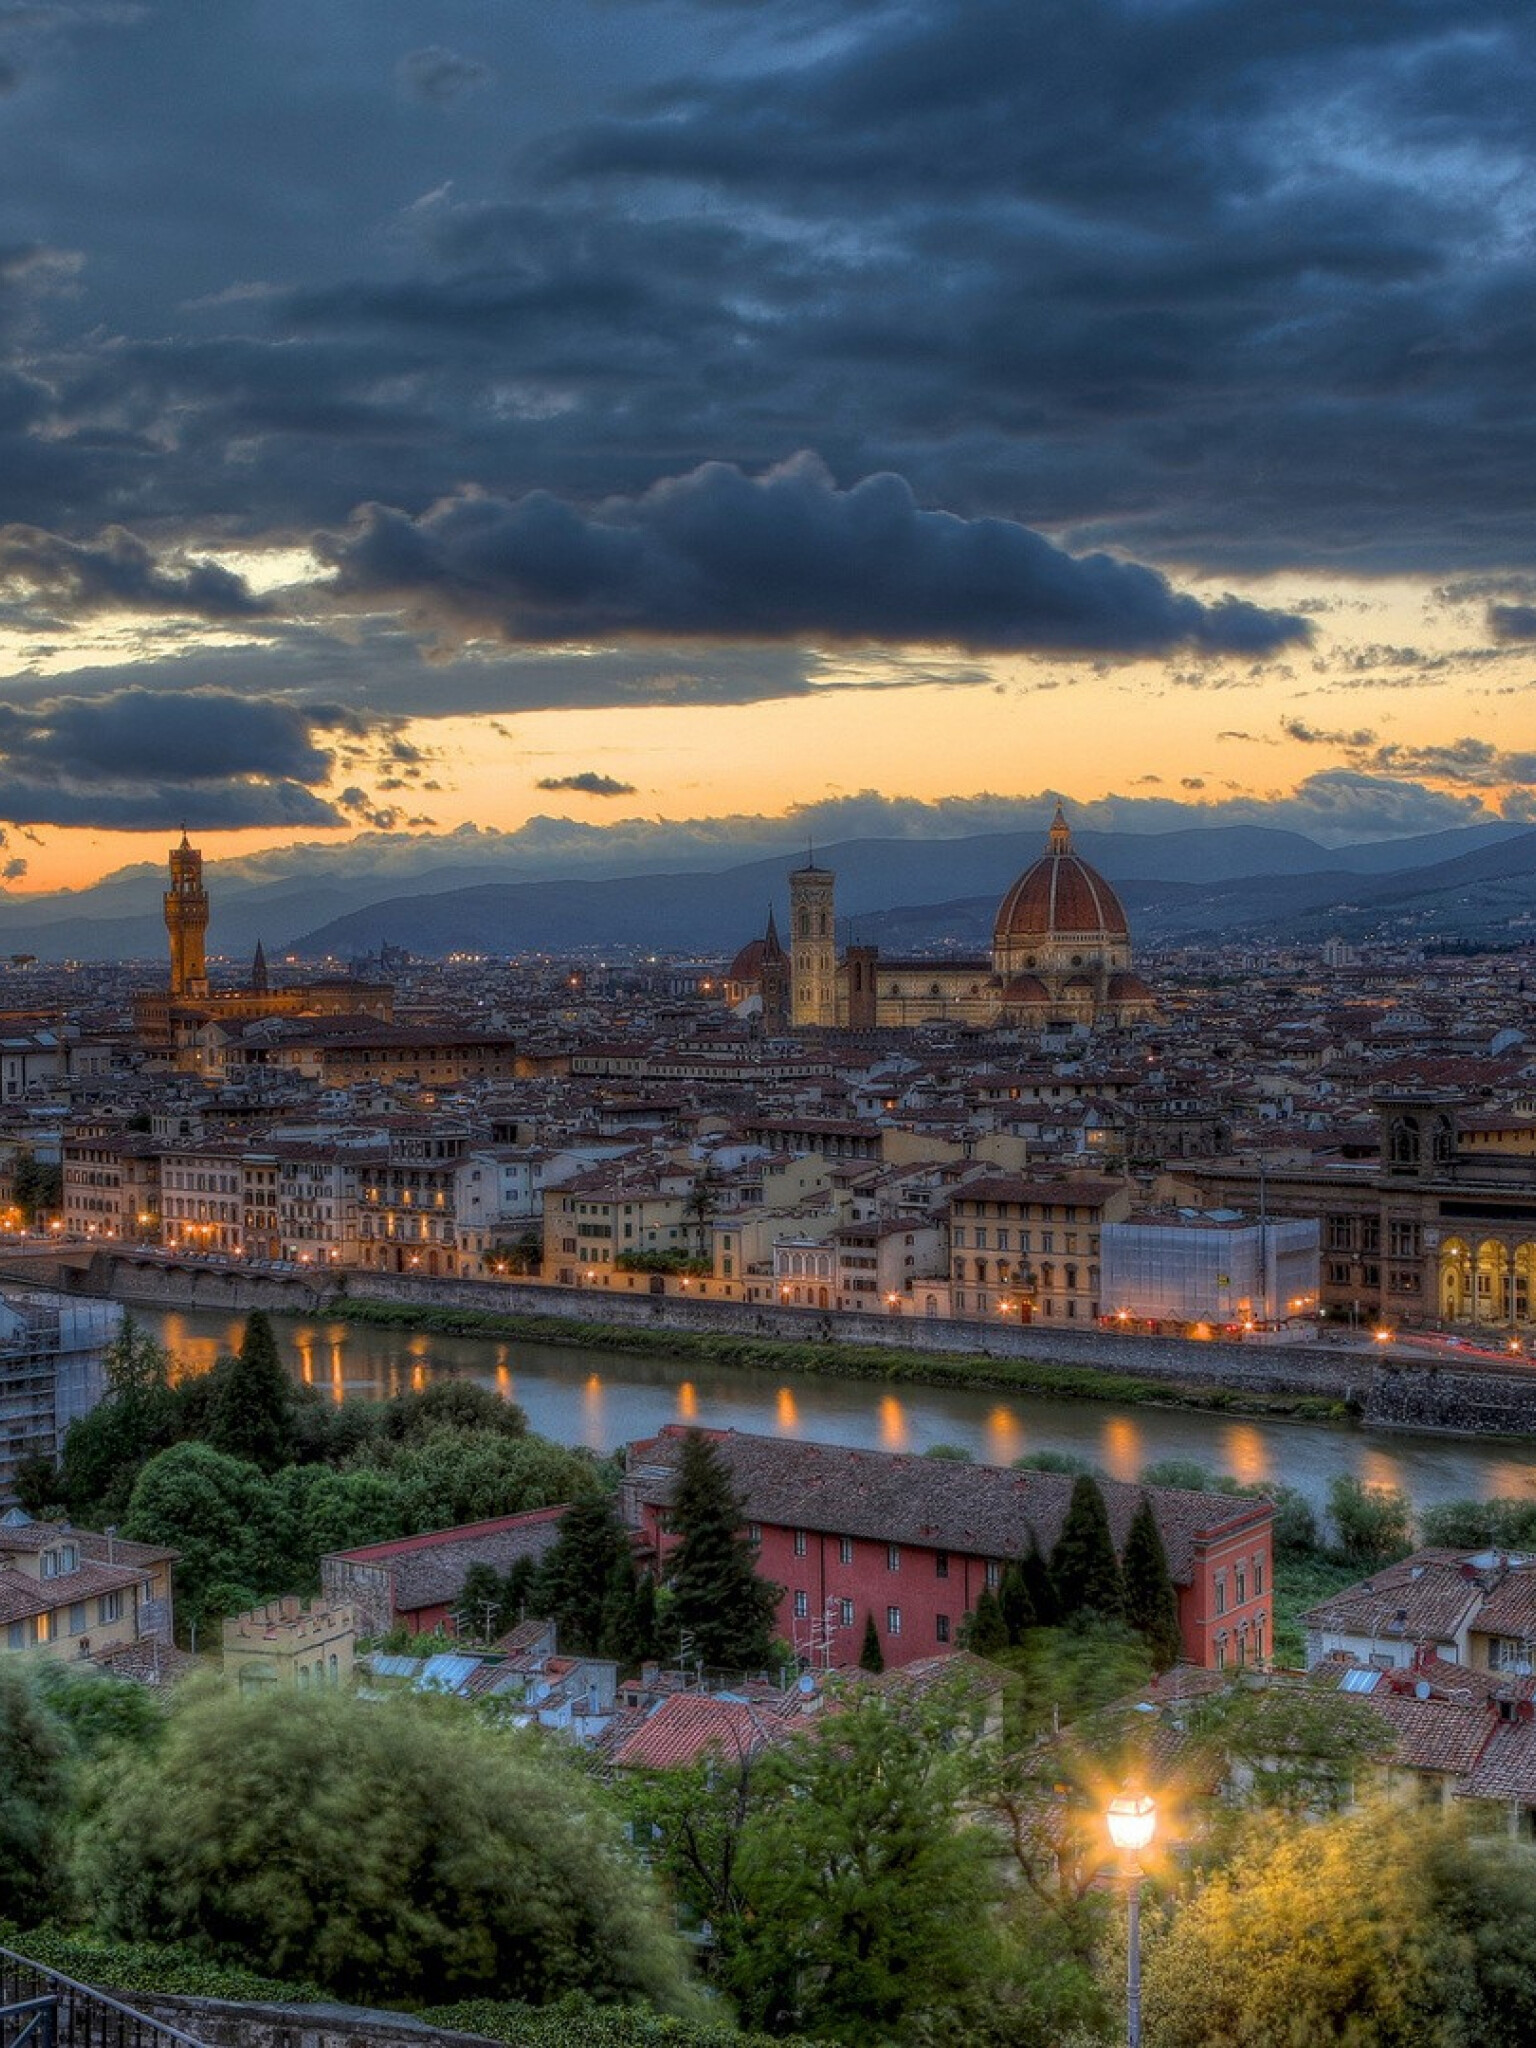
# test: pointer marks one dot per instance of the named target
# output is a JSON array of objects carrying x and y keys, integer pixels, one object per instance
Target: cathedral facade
[{"x": 1061, "y": 959}]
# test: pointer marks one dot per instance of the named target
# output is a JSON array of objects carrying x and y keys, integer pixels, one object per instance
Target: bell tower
[
  {"x": 812, "y": 947},
  {"x": 186, "y": 921}
]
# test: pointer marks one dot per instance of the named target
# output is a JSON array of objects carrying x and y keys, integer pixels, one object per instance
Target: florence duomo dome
[{"x": 1061, "y": 959}]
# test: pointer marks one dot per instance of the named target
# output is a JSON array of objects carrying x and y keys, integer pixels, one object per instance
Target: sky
[{"x": 635, "y": 424}]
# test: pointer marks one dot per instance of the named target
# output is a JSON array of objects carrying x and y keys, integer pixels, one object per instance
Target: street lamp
[{"x": 1132, "y": 1820}]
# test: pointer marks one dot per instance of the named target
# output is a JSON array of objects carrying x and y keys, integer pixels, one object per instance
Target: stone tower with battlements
[{"x": 186, "y": 921}]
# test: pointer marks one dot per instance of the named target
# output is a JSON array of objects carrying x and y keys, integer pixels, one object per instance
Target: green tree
[
  {"x": 1084, "y": 1568},
  {"x": 37, "y": 1188},
  {"x": 392, "y": 1851},
  {"x": 871, "y": 1656},
  {"x": 1035, "y": 1572},
  {"x": 1379, "y": 1929},
  {"x": 134, "y": 1365},
  {"x": 1015, "y": 1603},
  {"x": 866, "y": 1895},
  {"x": 1151, "y": 1599},
  {"x": 220, "y": 1514},
  {"x": 1070, "y": 1462},
  {"x": 717, "y": 1597},
  {"x": 585, "y": 1584},
  {"x": 34, "y": 1798},
  {"x": 475, "y": 1475},
  {"x": 481, "y": 1606},
  {"x": 985, "y": 1631},
  {"x": 451, "y": 1404},
  {"x": 1374, "y": 1524},
  {"x": 252, "y": 1406}
]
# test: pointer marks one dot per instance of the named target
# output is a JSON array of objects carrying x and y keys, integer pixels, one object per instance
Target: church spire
[
  {"x": 259, "y": 978},
  {"x": 1060, "y": 840}
]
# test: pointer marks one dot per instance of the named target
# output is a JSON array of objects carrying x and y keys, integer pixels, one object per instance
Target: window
[
  {"x": 77, "y": 1618},
  {"x": 941, "y": 1565},
  {"x": 893, "y": 1557},
  {"x": 1258, "y": 1577},
  {"x": 845, "y": 1613},
  {"x": 109, "y": 1607},
  {"x": 802, "y": 1604},
  {"x": 1258, "y": 1640},
  {"x": 42, "y": 1628},
  {"x": 15, "y": 1636},
  {"x": 893, "y": 1621},
  {"x": 1221, "y": 1653},
  {"x": 994, "y": 1574},
  {"x": 799, "y": 1543},
  {"x": 845, "y": 1550},
  {"x": 1241, "y": 1577},
  {"x": 754, "y": 1532},
  {"x": 1221, "y": 1593},
  {"x": 941, "y": 1628}
]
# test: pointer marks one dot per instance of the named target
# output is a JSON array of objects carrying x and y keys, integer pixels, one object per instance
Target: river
[{"x": 603, "y": 1398}]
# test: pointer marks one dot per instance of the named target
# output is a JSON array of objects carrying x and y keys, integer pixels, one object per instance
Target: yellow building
[
  {"x": 290, "y": 1642},
  {"x": 75, "y": 1593}
]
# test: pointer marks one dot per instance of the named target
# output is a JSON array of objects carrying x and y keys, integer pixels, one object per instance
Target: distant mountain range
[{"x": 900, "y": 894}]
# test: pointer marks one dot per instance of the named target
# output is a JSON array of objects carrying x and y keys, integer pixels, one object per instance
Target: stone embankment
[{"x": 1471, "y": 1399}]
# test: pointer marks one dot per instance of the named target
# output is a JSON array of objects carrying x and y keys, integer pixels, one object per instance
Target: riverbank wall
[{"x": 1386, "y": 1393}]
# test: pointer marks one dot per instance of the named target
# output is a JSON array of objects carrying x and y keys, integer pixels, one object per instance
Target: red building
[
  {"x": 418, "y": 1580},
  {"x": 914, "y": 1541}
]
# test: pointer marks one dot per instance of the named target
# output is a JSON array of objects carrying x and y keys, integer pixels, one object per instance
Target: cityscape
[{"x": 767, "y": 1025}]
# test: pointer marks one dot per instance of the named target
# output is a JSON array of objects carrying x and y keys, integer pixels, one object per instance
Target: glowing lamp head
[{"x": 1132, "y": 1821}]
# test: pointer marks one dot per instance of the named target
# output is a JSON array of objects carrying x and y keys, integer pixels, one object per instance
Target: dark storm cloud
[
  {"x": 1222, "y": 285},
  {"x": 116, "y": 572},
  {"x": 138, "y": 759},
  {"x": 1475, "y": 762},
  {"x": 140, "y": 734},
  {"x": 588, "y": 783},
  {"x": 1512, "y": 621},
  {"x": 717, "y": 554}
]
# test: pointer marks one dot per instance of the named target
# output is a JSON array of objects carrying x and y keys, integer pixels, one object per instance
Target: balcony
[{"x": 41, "y": 2009}]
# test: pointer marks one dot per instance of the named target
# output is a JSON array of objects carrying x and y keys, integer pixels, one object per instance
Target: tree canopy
[{"x": 387, "y": 1850}]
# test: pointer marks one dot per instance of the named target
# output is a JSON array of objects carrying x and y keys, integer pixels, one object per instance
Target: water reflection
[
  {"x": 565, "y": 1397},
  {"x": 1122, "y": 1448},
  {"x": 894, "y": 1433},
  {"x": 1244, "y": 1453},
  {"x": 1005, "y": 1437}
]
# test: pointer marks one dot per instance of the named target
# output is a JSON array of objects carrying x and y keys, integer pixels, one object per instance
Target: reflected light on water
[
  {"x": 418, "y": 1378},
  {"x": 688, "y": 1401},
  {"x": 306, "y": 1346},
  {"x": 1378, "y": 1468},
  {"x": 1245, "y": 1454},
  {"x": 785, "y": 1414},
  {"x": 894, "y": 1432},
  {"x": 1122, "y": 1448},
  {"x": 1005, "y": 1437},
  {"x": 1510, "y": 1479},
  {"x": 503, "y": 1379},
  {"x": 419, "y": 1347},
  {"x": 338, "y": 1378},
  {"x": 592, "y": 1412}
]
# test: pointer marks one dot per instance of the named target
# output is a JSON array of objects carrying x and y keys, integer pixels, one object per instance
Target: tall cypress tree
[
  {"x": 586, "y": 1582},
  {"x": 251, "y": 1411},
  {"x": 1039, "y": 1584},
  {"x": 1151, "y": 1599},
  {"x": 1084, "y": 1568},
  {"x": 718, "y": 1600},
  {"x": 871, "y": 1657},
  {"x": 1014, "y": 1603},
  {"x": 985, "y": 1631}
]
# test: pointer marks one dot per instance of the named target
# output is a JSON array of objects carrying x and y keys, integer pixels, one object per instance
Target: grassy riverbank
[{"x": 842, "y": 1361}]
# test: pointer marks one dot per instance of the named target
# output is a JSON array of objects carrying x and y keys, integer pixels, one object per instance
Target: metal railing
[{"x": 39, "y": 2008}]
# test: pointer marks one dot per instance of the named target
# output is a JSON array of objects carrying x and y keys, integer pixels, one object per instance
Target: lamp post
[{"x": 1132, "y": 1820}]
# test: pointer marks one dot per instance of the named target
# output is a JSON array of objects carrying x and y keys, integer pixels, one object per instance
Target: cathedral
[{"x": 1061, "y": 959}]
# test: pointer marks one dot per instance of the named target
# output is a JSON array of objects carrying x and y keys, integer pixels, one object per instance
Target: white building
[{"x": 1210, "y": 1266}]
